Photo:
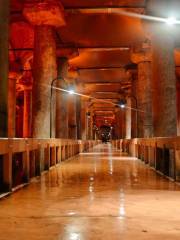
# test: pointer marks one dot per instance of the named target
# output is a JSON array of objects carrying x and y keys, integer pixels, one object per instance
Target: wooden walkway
[{"x": 99, "y": 195}]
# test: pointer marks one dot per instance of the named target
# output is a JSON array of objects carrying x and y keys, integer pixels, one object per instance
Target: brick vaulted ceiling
[{"x": 103, "y": 40}]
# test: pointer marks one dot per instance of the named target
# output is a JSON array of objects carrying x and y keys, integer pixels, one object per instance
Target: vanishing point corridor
[
  {"x": 89, "y": 120},
  {"x": 100, "y": 194}
]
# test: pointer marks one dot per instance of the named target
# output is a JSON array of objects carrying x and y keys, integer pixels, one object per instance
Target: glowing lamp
[
  {"x": 171, "y": 21},
  {"x": 122, "y": 103},
  {"x": 71, "y": 91}
]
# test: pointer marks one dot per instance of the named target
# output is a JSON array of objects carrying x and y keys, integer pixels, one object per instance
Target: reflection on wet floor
[{"x": 103, "y": 194}]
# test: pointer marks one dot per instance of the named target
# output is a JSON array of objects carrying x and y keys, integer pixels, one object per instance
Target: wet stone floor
[{"x": 102, "y": 194}]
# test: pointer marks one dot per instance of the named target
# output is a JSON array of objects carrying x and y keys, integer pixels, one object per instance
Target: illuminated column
[
  {"x": 78, "y": 116},
  {"x": 164, "y": 86},
  {"x": 4, "y": 44},
  {"x": 27, "y": 113},
  {"x": 12, "y": 105},
  {"x": 91, "y": 123},
  {"x": 123, "y": 122},
  {"x": 134, "y": 105},
  {"x": 44, "y": 16},
  {"x": 178, "y": 103},
  {"x": 128, "y": 119},
  {"x": 163, "y": 67},
  {"x": 72, "y": 120},
  {"x": 83, "y": 118},
  {"x": 118, "y": 124},
  {"x": 144, "y": 93},
  {"x": 88, "y": 117},
  {"x": 12, "y": 108},
  {"x": 62, "y": 100},
  {"x": 44, "y": 72}
]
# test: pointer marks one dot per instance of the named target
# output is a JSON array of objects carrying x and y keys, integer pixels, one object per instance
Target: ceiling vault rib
[
  {"x": 74, "y": 47},
  {"x": 103, "y": 83},
  {"x": 99, "y": 68},
  {"x": 84, "y": 47},
  {"x": 104, "y": 7},
  {"x": 76, "y": 8}
]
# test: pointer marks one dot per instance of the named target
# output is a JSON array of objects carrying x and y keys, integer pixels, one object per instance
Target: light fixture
[
  {"x": 171, "y": 20},
  {"x": 122, "y": 103},
  {"x": 71, "y": 91}
]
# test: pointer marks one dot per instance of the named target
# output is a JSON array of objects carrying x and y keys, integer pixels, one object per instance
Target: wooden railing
[
  {"x": 23, "y": 159},
  {"x": 161, "y": 154}
]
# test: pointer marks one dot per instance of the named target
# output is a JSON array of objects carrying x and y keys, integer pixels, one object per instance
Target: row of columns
[
  {"x": 154, "y": 90},
  {"x": 156, "y": 108},
  {"x": 47, "y": 111}
]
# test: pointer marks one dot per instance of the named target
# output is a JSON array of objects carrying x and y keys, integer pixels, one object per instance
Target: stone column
[
  {"x": 88, "y": 125},
  {"x": 178, "y": 104},
  {"x": 117, "y": 126},
  {"x": 123, "y": 122},
  {"x": 144, "y": 93},
  {"x": 27, "y": 113},
  {"x": 4, "y": 44},
  {"x": 164, "y": 86},
  {"x": 120, "y": 124},
  {"x": 128, "y": 119},
  {"x": 163, "y": 67},
  {"x": 78, "y": 116},
  {"x": 12, "y": 107},
  {"x": 45, "y": 16},
  {"x": 134, "y": 105},
  {"x": 83, "y": 118},
  {"x": 62, "y": 100},
  {"x": 44, "y": 73},
  {"x": 72, "y": 120},
  {"x": 91, "y": 123}
]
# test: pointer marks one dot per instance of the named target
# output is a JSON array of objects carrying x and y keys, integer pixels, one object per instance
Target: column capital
[
  {"x": 141, "y": 56},
  {"x": 14, "y": 75},
  {"x": 73, "y": 74},
  {"x": 49, "y": 13},
  {"x": 117, "y": 110},
  {"x": 67, "y": 53},
  {"x": 14, "y": 70}
]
